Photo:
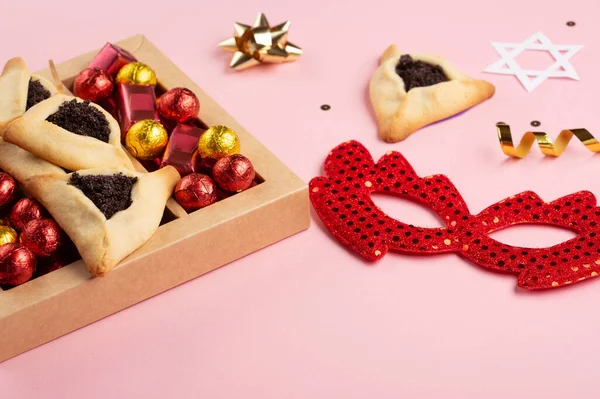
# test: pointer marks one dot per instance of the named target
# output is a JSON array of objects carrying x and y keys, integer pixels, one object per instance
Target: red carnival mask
[{"x": 343, "y": 201}]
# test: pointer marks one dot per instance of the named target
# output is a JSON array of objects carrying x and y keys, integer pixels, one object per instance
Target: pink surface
[{"x": 305, "y": 318}]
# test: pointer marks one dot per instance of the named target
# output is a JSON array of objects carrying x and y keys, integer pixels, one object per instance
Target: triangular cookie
[
  {"x": 22, "y": 165},
  {"x": 93, "y": 141},
  {"x": 20, "y": 90},
  {"x": 436, "y": 90},
  {"x": 107, "y": 213}
]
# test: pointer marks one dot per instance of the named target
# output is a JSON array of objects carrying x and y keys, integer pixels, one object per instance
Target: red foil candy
[
  {"x": 178, "y": 104},
  {"x": 195, "y": 191},
  {"x": 181, "y": 149},
  {"x": 93, "y": 84},
  {"x": 41, "y": 237},
  {"x": 234, "y": 173},
  {"x": 17, "y": 264},
  {"x": 24, "y": 211},
  {"x": 8, "y": 189},
  {"x": 343, "y": 201},
  {"x": 111, "y": 59},
  {"x": 135, "y": 103}
]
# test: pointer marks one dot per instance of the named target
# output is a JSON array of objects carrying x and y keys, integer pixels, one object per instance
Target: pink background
[{"x": 305, "y": 318}]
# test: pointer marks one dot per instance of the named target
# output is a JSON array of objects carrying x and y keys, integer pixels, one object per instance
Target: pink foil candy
[
  {"x": 111, "y": 59},
  {"x": 136, "y": 103},
  {"x": 110, "y": 105},
  {"x": 152, "y": 164},
  {"x": 181, "y": 149}
]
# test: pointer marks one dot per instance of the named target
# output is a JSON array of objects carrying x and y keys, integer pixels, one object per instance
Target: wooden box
[{"x": 184, "y": 247}]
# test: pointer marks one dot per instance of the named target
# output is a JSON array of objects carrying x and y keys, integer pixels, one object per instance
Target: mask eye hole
[
  {"x": 533, "y": 235},
  {"x": 407, "y": 211}
]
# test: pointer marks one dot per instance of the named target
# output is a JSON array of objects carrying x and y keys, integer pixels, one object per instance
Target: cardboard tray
[{"x": 184, "y": 247}]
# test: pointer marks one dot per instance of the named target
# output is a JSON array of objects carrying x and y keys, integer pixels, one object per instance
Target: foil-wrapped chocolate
[
  {"x": 135, "y": 103},
  {"x": 181, "y": 151},
  {"x": 111, "y": 59}
]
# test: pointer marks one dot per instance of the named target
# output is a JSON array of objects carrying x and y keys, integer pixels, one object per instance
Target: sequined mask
[{"x": 343, "y": 201}]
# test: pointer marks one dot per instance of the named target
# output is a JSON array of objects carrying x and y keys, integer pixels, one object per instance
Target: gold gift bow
[{"x": 544, "y": 141}]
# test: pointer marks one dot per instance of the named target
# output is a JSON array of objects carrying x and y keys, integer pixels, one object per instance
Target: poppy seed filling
[
  {"x": 110, "y": 193},
  {"x": 36, "y": 93},
  {"x": 81, "y": 118},
  {"x": 419, "y": 73}
]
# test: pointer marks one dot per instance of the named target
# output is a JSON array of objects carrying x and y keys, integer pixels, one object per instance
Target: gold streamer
[{"x": 544, "y": 141}]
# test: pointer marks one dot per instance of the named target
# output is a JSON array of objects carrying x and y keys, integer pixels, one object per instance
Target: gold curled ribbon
[{"x": 544, "y": 141}]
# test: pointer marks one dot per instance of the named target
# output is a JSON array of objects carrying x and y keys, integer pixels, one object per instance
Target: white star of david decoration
[{"x": 530, "y": 78}]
